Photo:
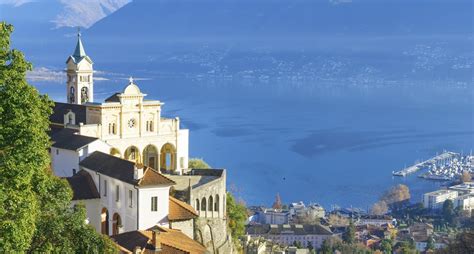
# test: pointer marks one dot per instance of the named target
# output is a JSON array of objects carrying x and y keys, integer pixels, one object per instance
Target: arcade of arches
[
  {"x": 165, "y": 159},
  {"x": 104, "y": 217},
  {"x": 209, "y": 206},
  {"x": 116, "y": 222}
]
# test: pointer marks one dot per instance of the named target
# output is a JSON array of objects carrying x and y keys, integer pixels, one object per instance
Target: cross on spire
[{"x": 79, "y": 51}]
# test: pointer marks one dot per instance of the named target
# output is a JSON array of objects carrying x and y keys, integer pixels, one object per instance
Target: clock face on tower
[{"x": 131, "y": 123}]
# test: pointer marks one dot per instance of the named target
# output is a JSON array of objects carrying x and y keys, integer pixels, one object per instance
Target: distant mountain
[
  {"x": 59, "y": 13},
  {"x": 275, "y": 19}
]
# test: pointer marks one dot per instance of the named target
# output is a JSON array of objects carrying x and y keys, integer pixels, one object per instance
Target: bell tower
[{"x": 80, "y": 84}]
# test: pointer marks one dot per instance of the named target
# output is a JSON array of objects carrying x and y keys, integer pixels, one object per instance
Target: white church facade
[
  {"x": 129, "y": 165},
  {"x": 131, "y": 126}
]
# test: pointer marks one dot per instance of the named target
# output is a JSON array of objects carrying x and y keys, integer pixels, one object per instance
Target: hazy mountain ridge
[{"x": 60, "y": 13}]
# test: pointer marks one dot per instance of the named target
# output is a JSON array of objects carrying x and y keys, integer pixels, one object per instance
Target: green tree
[
  {"x": 430, "y": 245},
  {"x": 35, "y": 213},
  {"x": 326, "y": 247},
  {"x": 237, "y": 216},
  {"x": 448, "y": 211},
  {"x": 198, "y": 163},
  {"x": 386, "y": 246},
  {"x": 349, "y": 235}
]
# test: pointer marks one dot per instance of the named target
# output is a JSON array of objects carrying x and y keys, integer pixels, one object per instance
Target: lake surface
[
  {"x": 335, "y": 145},
  {"x": 324, "y": 123}
]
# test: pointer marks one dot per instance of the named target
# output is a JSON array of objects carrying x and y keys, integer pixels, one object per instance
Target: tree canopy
[
  {"x": 237, "y": 216},
  {"x": 35, "y": 206},
  {"x": 198, "y": 163}
]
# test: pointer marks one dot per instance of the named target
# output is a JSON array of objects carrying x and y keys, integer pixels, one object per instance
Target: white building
[
  {"x": 69, "y": 148},
  {"x": 376, "y": 220},
  {"x": 121, "y": 158},
  {"x": 120, "y": 196},
  {"x": 273, "y": 216},
  {"x": 464, "y": 188},
  {"x": 306, "y": 235},
  {"x": 465, "y": 202},
  {"x": 435, "y": 199},
  {"x": 297, "y": 209},
  {"x": 132, "y": 127}
]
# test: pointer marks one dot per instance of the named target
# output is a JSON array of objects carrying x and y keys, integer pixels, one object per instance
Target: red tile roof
[{"x": 179, "y": 210}]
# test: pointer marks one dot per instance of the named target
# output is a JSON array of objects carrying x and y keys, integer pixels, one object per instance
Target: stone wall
[{"x": 212, "y": 233}]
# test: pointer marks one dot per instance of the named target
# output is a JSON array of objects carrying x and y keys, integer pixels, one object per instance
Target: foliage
[
  {"x": 379, "y": 208},
  {"x": 326, "y": 247},
  {"x": 396, "y": 195},
  {"x": 386, "y": 246},
  {"x": 277, "y": 204},
  {"x": 198, "y": 163},
  {"x": 466, "y": 176},
  {"x": 337, "y": 220},
  {"x": 430, "y": 245},
  {"x": 407, "y": 247},
  {"x": 349, "y": 235},
  {"x": 297, "y": 244},
  {"x": 35, "y": 213},
  {"x": 448, "y": 211},
  {"x": 236, "y": 215},
  {"x": 463, "y": 244},
  {"x": 336, "y": 244}
]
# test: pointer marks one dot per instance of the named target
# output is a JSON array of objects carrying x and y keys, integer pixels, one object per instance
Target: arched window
[
  {"x": 197, "y": 205},
  {"x": 203, "y": 204},
  {"x": 132, "y": 154},
  {"x": 104, "y": 221},
  {"x": 216, "y": 204},
  {"x": 211, "y": 203},
  {"x": 112, "y": 129},
  {"x": 84, "y": 95},
  {"x": 117, "y": 225},
  {"x": 72, "y": 94}
]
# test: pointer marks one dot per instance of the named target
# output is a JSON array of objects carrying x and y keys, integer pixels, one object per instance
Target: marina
[{"x": 441, "y": 167}]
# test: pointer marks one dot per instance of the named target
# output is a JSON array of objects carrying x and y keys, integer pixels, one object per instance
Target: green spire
[{"x": 79, "y": 51}]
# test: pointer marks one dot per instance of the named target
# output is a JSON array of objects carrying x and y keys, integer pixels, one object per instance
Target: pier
[{"x": 424, "y": 164}]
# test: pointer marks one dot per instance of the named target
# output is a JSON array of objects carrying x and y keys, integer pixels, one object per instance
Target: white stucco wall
[
  {"x": 183, "y": 149},
  {"x": 93, "y": 210},
  {"x": 127, "y": 214},
  {"x": 132, "y": 217},
  {"x": 148, "y": 218},
  {"x": 64, "y": 161}
]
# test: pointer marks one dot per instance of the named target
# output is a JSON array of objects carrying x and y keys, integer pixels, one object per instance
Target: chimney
[
  {"x": 138, "y": 171},
  {"x": 155, "y": 241}
]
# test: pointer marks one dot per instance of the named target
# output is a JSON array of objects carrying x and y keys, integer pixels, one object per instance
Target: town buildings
[
  {"x": 435, "y": 199},
  {"x": 129, "y": 166},
  {"x": 462, "y": 196},
  {"x": 307, "y": 235}
]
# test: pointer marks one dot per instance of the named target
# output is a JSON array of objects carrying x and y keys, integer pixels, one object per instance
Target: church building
[{"x": 129, "y": 166}]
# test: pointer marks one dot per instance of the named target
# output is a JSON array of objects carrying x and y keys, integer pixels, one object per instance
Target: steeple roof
[{"x": 79, "y": 51}]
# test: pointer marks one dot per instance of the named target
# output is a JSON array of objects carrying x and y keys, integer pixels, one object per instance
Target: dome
[{"x": 131, "y": 89}]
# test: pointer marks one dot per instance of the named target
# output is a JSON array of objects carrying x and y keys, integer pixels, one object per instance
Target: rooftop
[
  {"x": 464, "y": 186},
  {"x": 123, "y": 170},
  {"x": 82, "y": 186},
  {"x": 440, "y": 192},
  {"x": 196, "y": 177},
  {"x": 294, "y": 229},
  {"x": 69, "y": 139},
  {"x": 61, "y": 108},
  {"x": 179, "y": 210}
]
